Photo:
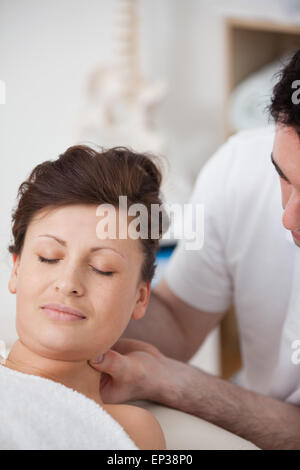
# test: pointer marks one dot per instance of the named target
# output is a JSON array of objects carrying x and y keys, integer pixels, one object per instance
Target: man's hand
[
  {"x": 136, "y": 370},
  {"x": 132, "y": 370}
]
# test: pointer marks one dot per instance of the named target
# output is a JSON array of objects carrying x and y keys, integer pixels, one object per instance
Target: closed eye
[
  {"x": 53, "y": 261},
  {"x": 105, "y": 273},
  {"x": 46, "y": 260}
]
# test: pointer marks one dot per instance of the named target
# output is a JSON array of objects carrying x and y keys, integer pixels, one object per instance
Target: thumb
[{"x": 110, "y": 362}]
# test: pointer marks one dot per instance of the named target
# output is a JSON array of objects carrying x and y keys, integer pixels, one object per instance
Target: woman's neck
[{"x": 78, "y": 375}]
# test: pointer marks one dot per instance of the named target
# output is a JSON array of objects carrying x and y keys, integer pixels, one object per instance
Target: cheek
[
  {"x": 114, "y": 306},
  {"x": 29, "y": 296},
  {"x": 29, "y": 287}
]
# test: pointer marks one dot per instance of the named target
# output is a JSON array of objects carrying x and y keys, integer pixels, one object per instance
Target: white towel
[{"x": 40, "y": 414}]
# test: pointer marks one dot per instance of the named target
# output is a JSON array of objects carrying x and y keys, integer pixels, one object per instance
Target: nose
[
  {"x": 291, "y": 215},
  {"x": 68, "y": 283}
]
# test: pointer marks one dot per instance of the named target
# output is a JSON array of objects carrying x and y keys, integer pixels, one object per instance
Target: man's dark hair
[{"x": 283, "y": 109}]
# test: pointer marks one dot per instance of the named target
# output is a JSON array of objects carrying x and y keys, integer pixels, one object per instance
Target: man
[{"x": 250, "y": 258}]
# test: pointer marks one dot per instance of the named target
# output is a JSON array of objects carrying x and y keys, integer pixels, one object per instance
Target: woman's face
[{"x": 108, "y": 301}]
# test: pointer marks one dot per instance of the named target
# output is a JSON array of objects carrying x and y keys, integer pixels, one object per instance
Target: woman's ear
[
  {"x": 142, "y": 301},
  {"x": 12, "y": 284}
]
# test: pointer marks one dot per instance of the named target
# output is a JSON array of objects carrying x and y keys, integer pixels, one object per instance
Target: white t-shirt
[{"x": 248, "y": 259}]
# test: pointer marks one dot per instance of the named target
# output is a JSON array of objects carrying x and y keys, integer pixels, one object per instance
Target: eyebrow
[
  {"x": 281, "y": 174},
  {"x": 92, "y": 250}
]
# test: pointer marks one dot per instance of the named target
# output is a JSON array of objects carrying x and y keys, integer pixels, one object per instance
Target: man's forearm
[
  {"x": 265, "y": 421},
  {"x": 160, "y": 328}
]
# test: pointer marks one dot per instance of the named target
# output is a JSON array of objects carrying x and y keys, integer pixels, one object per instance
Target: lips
[
  {"x": 296, "y": 235},
  {"x": 64, "y": 309}
]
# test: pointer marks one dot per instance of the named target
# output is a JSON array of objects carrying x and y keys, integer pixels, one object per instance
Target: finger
[
  {"x": 112, "y": 363},
  {"x": 105, "y": 379},
  {"x": 108, "y": 390}
]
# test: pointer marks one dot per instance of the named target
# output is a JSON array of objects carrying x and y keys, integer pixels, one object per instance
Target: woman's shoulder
[{"x": 140, "y": 424}]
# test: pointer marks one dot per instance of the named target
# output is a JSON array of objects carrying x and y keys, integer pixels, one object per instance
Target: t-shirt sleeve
[{"x": 200, "y": 277}]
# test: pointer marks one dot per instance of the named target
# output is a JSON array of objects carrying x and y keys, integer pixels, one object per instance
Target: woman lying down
[{"x": 78, "y": 282}]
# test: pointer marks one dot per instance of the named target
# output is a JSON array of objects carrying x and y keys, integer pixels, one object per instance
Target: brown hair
[{"x": 82, "y": 175}]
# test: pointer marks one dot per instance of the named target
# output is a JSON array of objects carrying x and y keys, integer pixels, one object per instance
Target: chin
[{"x": 63, "y": 349}]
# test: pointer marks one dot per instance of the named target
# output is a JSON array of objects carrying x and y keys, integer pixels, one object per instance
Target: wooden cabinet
[{"x": 249, "y": 45}]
